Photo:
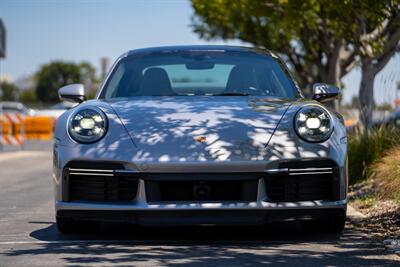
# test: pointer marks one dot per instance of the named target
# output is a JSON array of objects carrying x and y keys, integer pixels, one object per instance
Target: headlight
[
  {"x": 313, "y": 124},
  {"x": 87, "y": 125}
]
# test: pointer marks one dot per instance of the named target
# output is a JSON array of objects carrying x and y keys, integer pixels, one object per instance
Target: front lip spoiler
[
  {"x": 186, "y": 205},
  {"x": 200, "y": 217}
]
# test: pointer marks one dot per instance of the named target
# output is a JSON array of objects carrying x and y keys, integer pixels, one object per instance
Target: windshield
[{"x": 190, "y": 73}]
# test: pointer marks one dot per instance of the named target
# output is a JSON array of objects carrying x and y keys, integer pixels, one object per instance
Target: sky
[{"x": 40, "y": 31}]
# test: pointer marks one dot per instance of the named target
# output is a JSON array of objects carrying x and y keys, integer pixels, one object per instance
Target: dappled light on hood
[{"x": 166, "y": 129}]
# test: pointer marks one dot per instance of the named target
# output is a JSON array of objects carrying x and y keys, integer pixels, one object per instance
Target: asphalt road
[{"x": 28, "y": 236}]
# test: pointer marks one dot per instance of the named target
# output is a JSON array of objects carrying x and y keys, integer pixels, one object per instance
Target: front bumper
[{"x": 140, "y": 211}]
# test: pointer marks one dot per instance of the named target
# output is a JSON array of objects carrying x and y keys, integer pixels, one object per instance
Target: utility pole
[
  {"x": 2, "y": 55},
  {"x": 397, "y": 100},
  {"x": 2, "y": 43},
  {"x": 104, "y": 65}
]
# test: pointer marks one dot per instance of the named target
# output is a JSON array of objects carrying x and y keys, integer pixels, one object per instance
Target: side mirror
[
  {"x": 324, "y": 92},
  {"x": 73, "y": 93}
]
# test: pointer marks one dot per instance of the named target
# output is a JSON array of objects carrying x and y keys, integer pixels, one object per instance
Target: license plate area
[{"x": 201, "y": 190}]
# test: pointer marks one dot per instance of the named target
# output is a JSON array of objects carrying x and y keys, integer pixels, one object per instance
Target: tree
[
  {"x": 376, "y": 40},
  {"x": 322, "y": 40},
  {"x": 9, "y": 91},
  {"x": 28, "y": 96},
  {"x": 54, "y": 75},
  {"x": 310, "y": 35},
  {"x": 89, "y": 79}
]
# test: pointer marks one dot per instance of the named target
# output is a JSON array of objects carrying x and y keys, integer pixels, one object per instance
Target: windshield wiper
[{"x": 234, "y": 94}]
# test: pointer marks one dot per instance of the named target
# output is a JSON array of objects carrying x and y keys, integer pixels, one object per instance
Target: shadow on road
[
  {"x": 126, "y": 232},
  {"x": 284, "y": 244}
]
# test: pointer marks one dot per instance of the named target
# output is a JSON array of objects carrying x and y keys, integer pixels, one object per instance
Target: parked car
[
  {"x": 15, "y": 107},
  {"x": 394, "y": 118},
  {"x": 193, "y": 135}
]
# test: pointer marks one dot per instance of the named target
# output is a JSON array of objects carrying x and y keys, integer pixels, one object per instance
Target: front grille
[
  {"x": 197, "y": 190},
  {"x": 99, "y": 182},
  {"x": 308, "y": 181}
]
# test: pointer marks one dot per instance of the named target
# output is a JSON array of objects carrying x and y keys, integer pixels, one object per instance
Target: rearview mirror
[
  {"x": 324, "y": 92},
  {"x": 199, "y": 65},
  {"x": 73, "y": 93}
]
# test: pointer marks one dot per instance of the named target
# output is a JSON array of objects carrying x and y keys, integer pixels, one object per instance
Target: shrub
[
  {"x": 386, "y": 174},
  {"x": 366, "y": 148}
]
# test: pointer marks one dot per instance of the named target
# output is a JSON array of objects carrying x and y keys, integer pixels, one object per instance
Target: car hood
[{"x": 209, "y": 128}]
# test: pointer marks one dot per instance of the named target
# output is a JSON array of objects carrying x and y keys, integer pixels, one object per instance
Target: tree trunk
[
  {"x": 333, "y": 78},
  {"x": 366, "y": 95},
  {"x": 334, "y": 71}
]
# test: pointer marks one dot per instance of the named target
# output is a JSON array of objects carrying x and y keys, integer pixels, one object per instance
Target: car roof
[{"x": 225, "y": 48}]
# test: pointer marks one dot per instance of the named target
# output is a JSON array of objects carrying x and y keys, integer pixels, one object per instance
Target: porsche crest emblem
[{"x": 200, "y": 139}]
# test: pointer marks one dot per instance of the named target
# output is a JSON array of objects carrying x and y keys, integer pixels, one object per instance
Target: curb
[{"x": 354, "y": 214}]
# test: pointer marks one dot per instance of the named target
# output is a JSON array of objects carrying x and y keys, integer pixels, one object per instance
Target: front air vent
[
  {"x": 304, "y": 181},
  {"x": 90, "y": 181}
]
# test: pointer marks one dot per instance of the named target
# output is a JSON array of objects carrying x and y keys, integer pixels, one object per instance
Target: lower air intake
[
  {"x": 304, "y": 182},
  {"x": 99, "y": 182}
]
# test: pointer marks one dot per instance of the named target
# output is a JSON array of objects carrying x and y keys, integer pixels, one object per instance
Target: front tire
[{"x": 330, "y": 224}]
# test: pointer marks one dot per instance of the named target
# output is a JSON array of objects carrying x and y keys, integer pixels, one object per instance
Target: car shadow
[
  {"x": 283, "y": 244},
  {"x": 133, "y": 233}
]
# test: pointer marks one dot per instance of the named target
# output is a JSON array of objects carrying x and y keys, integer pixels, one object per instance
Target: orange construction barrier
[
  {"x": 11, "y": 129},
  {"x": 4, "y": 130},
  {"x": 39, "y": 127},
  {"x": 17, "y": 126}
]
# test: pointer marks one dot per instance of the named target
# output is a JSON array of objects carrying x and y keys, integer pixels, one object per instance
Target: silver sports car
[{"x": 194, "y": 135}]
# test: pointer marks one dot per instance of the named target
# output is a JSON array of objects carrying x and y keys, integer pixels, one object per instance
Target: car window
[
  {"x": 200, "y": 73},
  {"x": 188, "y": 81}
]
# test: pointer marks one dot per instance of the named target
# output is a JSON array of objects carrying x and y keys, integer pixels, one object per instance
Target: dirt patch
[{"x": 382, "y": 221}]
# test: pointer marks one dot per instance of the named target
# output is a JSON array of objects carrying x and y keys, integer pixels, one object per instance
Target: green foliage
[
  {"x": 54, "y": 75},
  {"x": 9, "y": 91},
  {"x": 90, "y": 94},
  {"x": 88, "y": 76},
  {"x": 366, "y": 148},
  {"x": 311, "y": 33},
  {"x": 28, "y": 96}
]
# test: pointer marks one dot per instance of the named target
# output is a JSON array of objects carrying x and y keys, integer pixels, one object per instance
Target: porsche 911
[{"x": 200, "y": 135}]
